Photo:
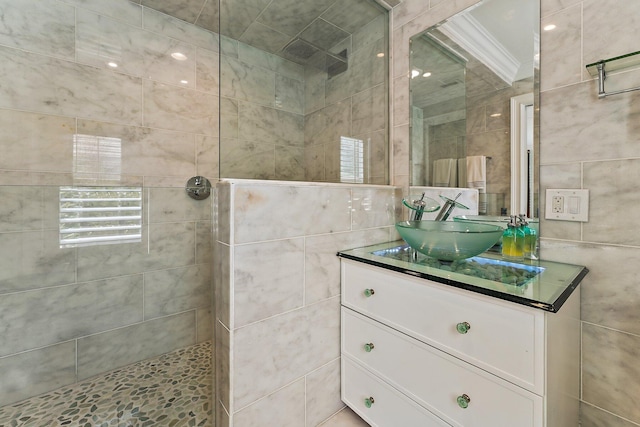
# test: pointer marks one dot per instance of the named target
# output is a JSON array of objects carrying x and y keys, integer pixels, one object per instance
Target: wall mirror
[{"x": 474, "y": 105}]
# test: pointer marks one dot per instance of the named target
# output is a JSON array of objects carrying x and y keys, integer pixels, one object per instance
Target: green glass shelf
[{"x": 615, "y": 64}]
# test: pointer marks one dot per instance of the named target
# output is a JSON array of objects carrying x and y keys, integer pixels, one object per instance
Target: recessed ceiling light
[
  {"x": 179, "y": 56},
  {"x": 184, "y": 82},
  {"x": 381, "y": 55},
  {"x": 549, "y": 27},
  {"x": 426, "y": 74},
  {"x": 414, "y": 73},
  {"x": 112, "y": 64},
  {"x": 495, "y": 115}
]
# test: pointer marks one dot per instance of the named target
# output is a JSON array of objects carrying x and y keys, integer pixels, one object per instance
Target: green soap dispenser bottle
[
  {"x": 530, "y": 239},
  {"x": 513, "y": 241}
]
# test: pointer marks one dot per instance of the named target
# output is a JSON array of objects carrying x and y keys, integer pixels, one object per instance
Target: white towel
[
  {"x": 462, "y": 172},
  {"x": 477, "y": 178},
  {"x": 445, "y": 172}
]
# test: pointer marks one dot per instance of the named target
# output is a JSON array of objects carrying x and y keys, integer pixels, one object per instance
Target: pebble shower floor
[{"x": 171, "y": 390}]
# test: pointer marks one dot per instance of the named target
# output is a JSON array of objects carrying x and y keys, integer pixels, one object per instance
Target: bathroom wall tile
[
  {"x": 176, "y": 108},
  {"x": 562, "y": 64},
  {"x": 31, "y": 25},
  {"x": 22, "y": 208},
  {"x": 566, "y": 175},
  {"x": 222, "y": 217},
  {"x": 401, "y": 100},
  {"x": 222, "y": 417},
  {"x": 332, "y": 161},
  {"x": 590, "y": 416},
  {"x": 100, "y": 40},
  {"x": 572, "y": 128},
  {"x": 223, "y": 284},
  {"x": 322, "y": 266},
  {"x": 547, "y": 7},
  {"x": 36, "y": 142},
  {"x": 353, "y": 16},
  {"x": 177, "y": 29},
  {"x": 400, "y": 49},
  {"x": 97, "y": 353},
  {"x": 258, "y": 211},
  {"x": 204, "y": 324},
  {"x": 34, "y": 259},
  {"x": 323, "y": 393},
  {"x": 314, "y": 169},
  {"x": 345, "y": 418},
  {"x": 187, "y": 10},
  {"x": 289, "y": 163},
  {"x": 207, "y": 71},
  {"x": 208, "y": 157},
  {"x": 71, "y": 311},
  {"x": 229, "y": 47},
  {"x": 268, "y": 279},
  {"x": 610, "y": 183},
  {"x": 222, "y": 348},
  {"x": 122, "y": 10},
  {"x": 264, "y": 37},
  {"x": 369, "y": 110},
  {"x": 291, "y": 16},
  {"x": 314, "y": 83},
  {"x": 268, "y": 125},
  {"x": 260, "y": 58},
  {"x": 610, "y": 370},
  {"x": 37, "y": 371},
  {"x": 328, "y": 124},
  {"x": 246, "y": 82},
  {"x": 209, "y": 17},
  {"x": 239, "y": 17},
  {"x": 52, "y": 86},
  {"x": 163, "y": 245},
  {"x": 176, "y": 290},
  {"x": 204, "y": 240},
  {"x": 284, "y": 408},
  {"x": 247, "y": 159},
  {"x": 228, "y": 118},
  {"x": 289, "y": 94},
  {"x": 174, "y": 205},
  {"x": 314, "y": 331},
  {"x": 374, "y": 207},
  {"x": 400, "y": 150},
  {"x": 377, "y": 152},
  {"x": 374, "y": 30}
]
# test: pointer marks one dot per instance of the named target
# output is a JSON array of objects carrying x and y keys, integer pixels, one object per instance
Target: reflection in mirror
[{"x": 473, "y": 88}]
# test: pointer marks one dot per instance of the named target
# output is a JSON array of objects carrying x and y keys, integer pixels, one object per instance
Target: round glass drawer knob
[
  {"x": 368, "y": 402},
  {"x": 368, "y": 347},
  {"x": 463, "y": 401},
  {"x": 369, "y": 292},
  {"x": 463, "y": 327}
]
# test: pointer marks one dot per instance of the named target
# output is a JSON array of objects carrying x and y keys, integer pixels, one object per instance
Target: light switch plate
[{"x": 567, "y": 205}]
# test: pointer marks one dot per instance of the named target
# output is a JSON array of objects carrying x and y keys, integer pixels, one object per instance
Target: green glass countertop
[{"x": 545, "y": 285}]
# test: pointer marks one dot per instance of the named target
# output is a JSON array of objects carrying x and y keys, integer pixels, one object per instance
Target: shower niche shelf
[{"x": 600, "y": 68}]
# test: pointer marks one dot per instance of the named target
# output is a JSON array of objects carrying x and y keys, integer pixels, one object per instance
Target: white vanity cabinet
[{"x": 420, "y": 353}]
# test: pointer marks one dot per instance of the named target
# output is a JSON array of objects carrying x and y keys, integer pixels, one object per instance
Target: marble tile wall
[
  {"x": 278, "y": 294},
  {"x": 585, "y": 143},
  {"x": 71, "y": 313}
]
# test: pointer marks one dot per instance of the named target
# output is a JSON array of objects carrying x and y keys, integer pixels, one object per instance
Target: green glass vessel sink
[
  {"x": 502, "y": 221},
  {"x": 449, "y": 240}
]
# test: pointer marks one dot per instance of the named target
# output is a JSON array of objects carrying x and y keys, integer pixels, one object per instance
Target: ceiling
[{"x": 271, "y": 25}]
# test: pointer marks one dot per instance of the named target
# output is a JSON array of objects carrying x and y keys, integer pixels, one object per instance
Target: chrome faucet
[
  {"x": 447, "y": 208},
  {"x": 418, "y": 209}
]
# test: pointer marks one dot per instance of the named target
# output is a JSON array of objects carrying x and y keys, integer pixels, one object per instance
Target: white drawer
[
  {"x": 389, "y": 408},
  {"x": 504, "y": 338},
  {"x": 436, "y": 380}
]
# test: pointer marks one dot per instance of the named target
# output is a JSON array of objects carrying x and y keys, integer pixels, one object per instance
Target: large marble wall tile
[
  {"x": 37, "y": 371},
  {"x": 22, "y": 208},
  {"x": 222, "y": 349},
  {"x": 573, "y": 129},
  {"x": 314, "y": 169},
  {"x": 222, "y": 217},
  {"x": 207, "y": 71},
  {"x": 613, "y": 183},
  {"x": 323, "y": 393},
  {"x": 284, "y": 408},
  {"x": 147, "y": 151},
  {"x": 71, "y": 311},
  {"x": 247, "y": 159},
  {"x": 182, "y": 109},
  {"x": 590, "y": 416},
  {"x": 369, "y": 110},
  {"x": 289, "y": 94},
  {"x": 238, "y": 17},
  {"x": 376, "y": 150},
  {"x": 222, "y": 286},
  {"x": 328, "y": 124},
  {"x": 345, "y": 418},
  {"x": 164, "y": 245},
  {"x": 314, "y": 82},
  {"x": 289, "y": 163},
  {"x": 204, "y": 323},
  {"x": 268, "y": 279},
  {"x": 208, "y": 157},
  {"x": 36, "y": 142},
  {"x": 120, "y": 347},
  {"x": 228, "y": 118},
  {"x": 374, "y": 30},
  {"x": 176, "y": 290},
  {"x": 314, "y": 332},
  {"x": 42, "y": 27},
  {"x": 52, "y": 86},
  {"x": 562, "y": 65},
  {"x": 246, "y": 82},
  {"x": 175, "y": 205},
  {"x": 259, "y": 211},
  {"x": 599, "y": 45},
  {"x": 279, "y": 65},
  {"x": 610, "y": 370},
  {"x": 322, "y": 266},
  {"x": 204, "y": 241},
  {"x": 268, "y": 125},
  {"x": 34, "y": 259},
  {"x": 187, "y": 10},
  {"x": 122, "y": 10},
  {"x": 263, "y": 37},
  {"x": 352, "y": 16},
  {"x": 547, "y": 7},
  {"x": 209, "y": 17},
  {"x": 175, "y": 28},
  {"x": 374, "y": 207},
  {"x": 101, "y": 40},
  {"x": 291, "y": 16}
]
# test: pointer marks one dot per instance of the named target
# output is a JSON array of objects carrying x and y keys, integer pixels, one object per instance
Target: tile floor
[{"x": 171, "y": 390}]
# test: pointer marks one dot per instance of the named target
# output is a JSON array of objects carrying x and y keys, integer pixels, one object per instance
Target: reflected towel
[
  {"x": 477, "y": 178},
  {"x": 445, "y": 172},
  {"x": 462, "y": 172}
]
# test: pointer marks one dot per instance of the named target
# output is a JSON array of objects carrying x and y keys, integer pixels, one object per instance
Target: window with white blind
[
  {"x": 351, "y": 160},
  {"x": 100, "y": 215}
]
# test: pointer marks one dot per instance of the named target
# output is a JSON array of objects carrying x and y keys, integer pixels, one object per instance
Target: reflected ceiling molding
[{"x": 467, "y": 32}]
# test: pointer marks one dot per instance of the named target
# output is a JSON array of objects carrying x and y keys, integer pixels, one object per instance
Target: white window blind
[
  {"x": 100, "y": 215},
  {"x": 351, "y": 160}
]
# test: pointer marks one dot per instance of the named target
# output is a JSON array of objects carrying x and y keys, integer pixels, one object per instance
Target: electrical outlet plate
[{"x": 567, "y": 205}]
